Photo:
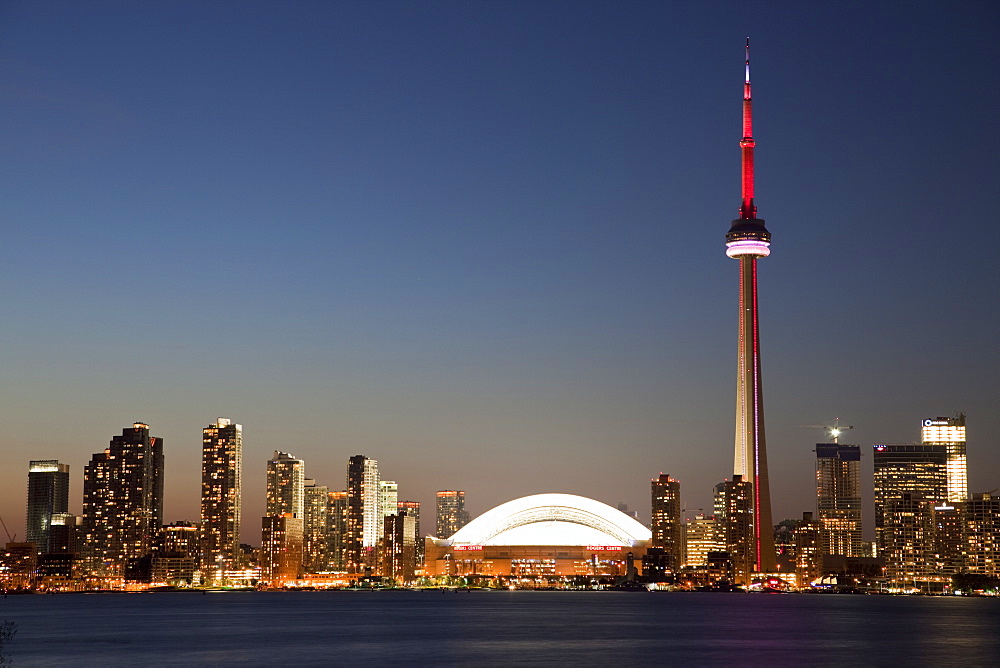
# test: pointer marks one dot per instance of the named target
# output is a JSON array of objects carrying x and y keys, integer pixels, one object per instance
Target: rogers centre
[{"x": 539, "y": 535}]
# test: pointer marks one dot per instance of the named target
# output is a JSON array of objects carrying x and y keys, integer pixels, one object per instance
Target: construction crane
[
  {"x": 10, "y": 538},
  {"x": 834, "y": 429}
]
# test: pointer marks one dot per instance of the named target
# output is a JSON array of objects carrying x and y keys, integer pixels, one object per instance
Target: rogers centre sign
[
  {"x": 605, "y": 548},
  {"x": 467, "y": 548}
]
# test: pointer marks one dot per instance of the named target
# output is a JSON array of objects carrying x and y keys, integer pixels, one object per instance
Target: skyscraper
[
  {"x": 364, "y": 513},
  {"x": 221, "y": 472},
  {"x": 399, "y": 547},
  {"x": 412, "y": 509},
  {"x": 316, "y": 549},
  {"x": 281, "y": 549},
  {"x": 282, "y": 527},
  {"x": 388, "y": 497},
  {"x": 48, "y": 495},
  {"x": 982, "y": 530},
  {"x": 950, "y": 432},
  {"x": 747, "y": 240},
  {"x": 451, "y": 514},
  {"x": 838, "y": 498},
  {"x": 285, "y": 485},
  {"x": 336, "y": 529},
  {"x": 739, "y": 528},
  {"x": 905, "y": 476},
  {"x": 123, "y": 500},
  {"x": 666, "y": 518}
]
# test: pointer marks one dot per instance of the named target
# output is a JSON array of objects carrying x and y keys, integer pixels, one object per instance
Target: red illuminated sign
[
  {"x": 604, "y": 548},
  {"x": 465, "y": 548}
]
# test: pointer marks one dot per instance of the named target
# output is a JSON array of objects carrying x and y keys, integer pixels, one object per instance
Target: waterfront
[{"x": 498, "y": 627}]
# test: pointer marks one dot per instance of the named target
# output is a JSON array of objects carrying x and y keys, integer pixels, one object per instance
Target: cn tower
[{"x": 746, "y": 241}]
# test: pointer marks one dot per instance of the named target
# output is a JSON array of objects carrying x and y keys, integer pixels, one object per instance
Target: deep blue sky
[{"x": 482, "y": 242}]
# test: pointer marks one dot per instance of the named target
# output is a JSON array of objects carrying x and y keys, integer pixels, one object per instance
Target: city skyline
[{"x": 454, "y": 265}]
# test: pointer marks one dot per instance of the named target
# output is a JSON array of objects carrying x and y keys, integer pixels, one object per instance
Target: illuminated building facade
[
  {"x": 336, "y": 529},
  {"x": 666, "y": 519},
  {"x": 949, "y": 540},
  {"x": 412, "y": 509},
  {"x": 540, "y": 536},
  {"x": 123, "y": 501},
  {"x": 982, "y": 532},
  {"x": 48, "y": 498},
  {"x": 176, "y": 554},
  {"x": 747, "y": 240},
  {"x": 919, "y": 471},
  {"x": 364, "y": 512},
  {"x": 739, "y": 532},
  {"x": 221, "y": 475},
  {"x": 950, "y": 432},
  {"x": 286, "y": 477},
  {"x": 316, "y": 547},
  {"x": 398, "y": 559},
  {"x": 908, "y": 542},
  {"x": 702, "y": 537},
  {"x": 808, "y": 551},
  {"x": 451, "y": 513},
  {"x": 388, "y": 497},
  {"x": 281, "y": 549},
  {"x": 283, "y": 528},
  {"x": 838, "y": 498}
]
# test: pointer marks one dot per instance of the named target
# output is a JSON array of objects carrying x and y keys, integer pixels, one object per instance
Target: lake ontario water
[{"x": 499, "y": 627}]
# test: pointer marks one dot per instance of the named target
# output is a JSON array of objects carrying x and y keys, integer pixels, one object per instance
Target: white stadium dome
[{"x": 552, "y": 519}]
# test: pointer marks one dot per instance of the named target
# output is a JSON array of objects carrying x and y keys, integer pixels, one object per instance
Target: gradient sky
[{"x": 483, "y": 242}]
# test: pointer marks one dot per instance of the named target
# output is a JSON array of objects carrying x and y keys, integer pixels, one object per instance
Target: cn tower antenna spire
[
  {"x": 748, "y": 62},
  {"x": 748, "y": 210}
]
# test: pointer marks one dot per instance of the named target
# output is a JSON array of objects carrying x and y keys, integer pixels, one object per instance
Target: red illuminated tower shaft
[{"x": 747, "y": 240}]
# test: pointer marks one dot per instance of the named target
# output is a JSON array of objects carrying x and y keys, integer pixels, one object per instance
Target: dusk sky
[{"x": 483, "y": 242}]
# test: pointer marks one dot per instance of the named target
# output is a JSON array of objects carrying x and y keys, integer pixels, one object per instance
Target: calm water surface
[{"x": 499, "y": 627}]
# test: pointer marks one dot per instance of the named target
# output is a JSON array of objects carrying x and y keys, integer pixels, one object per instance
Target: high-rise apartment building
[
  {"x": 123, "y": 501},
  {"x": 399, "y": 547},
  {"x": 666, "y": 518},
  {"x": 336, "y": 529},
  {"x": 48, "y": 498},
  {"x": 286, "y": 485},
  {"x": 982, "y": 531},
  {"x": 808, "y": 553},
  {"x": 388, "y": 497},
  {"x": 412, "y": 509},
  {"x": 916, "y": 471},
  {"x": 451, "y": 513},
  {"x": 838, "y": 498},
  {"x": 221, "y": 500},
  {"x": 950, "y": 432},
  {"x": 283, "y": 526},
  {"x": 907, "y": 542},
  {"x": 316, "y": 549},
  {"x": 364, "y": 513},
  {"x": 281, "y": 549},
  {"x": 739, "y": 528}
]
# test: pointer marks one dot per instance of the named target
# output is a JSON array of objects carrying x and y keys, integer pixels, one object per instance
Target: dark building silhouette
[
  {"x": 123, "y": 501},
  {"x": 666, "y": 518}
]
